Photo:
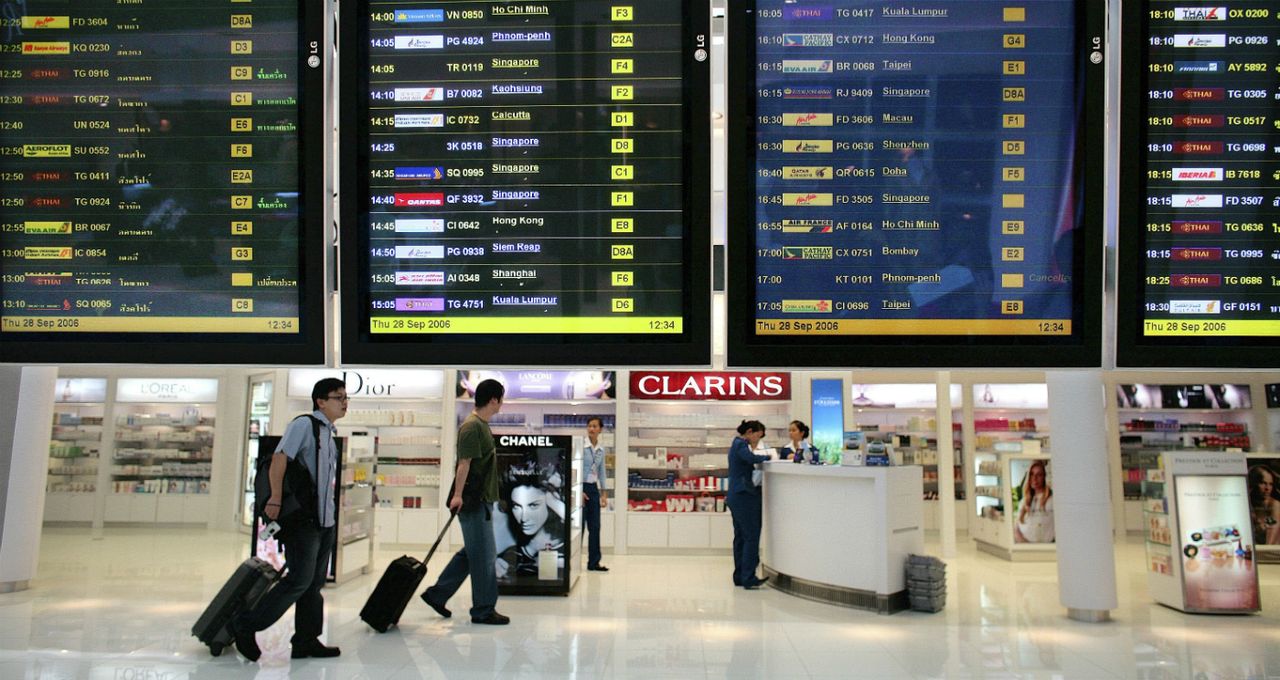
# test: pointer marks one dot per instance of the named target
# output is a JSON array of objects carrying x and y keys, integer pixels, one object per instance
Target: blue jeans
[
  {"x": 747, "y": 512},
  {"x": 475, "y": 560},
  {"x": 307, "y": 553},
  {"x": 591, "y": 512}
]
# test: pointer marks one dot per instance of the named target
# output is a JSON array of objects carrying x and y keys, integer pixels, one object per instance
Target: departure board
[
  {"x": 157, "y": 189},
  {"x": 1200, "y": 186},
  {"x": 526, "y": 182},
  {"x": 915, "y": 175}
]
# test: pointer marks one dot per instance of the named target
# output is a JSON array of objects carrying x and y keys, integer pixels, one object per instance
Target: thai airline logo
[
  {"x": 807, "y": 12},
  {"x": 1200, "y": 14},
  {"x": 1197, "y": 174},
  {"x": 419, "y": 94}
]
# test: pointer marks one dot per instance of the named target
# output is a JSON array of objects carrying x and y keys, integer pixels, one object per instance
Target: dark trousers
[
  {"x": 307, "y": 553},
  {"x": 476, "y": 560},
  {"x": 747, "y": 514},
  {"x": 592, "y": 514}
]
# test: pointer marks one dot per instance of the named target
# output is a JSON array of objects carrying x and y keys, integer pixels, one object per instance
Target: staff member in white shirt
[{"x": 594, "y": 495}]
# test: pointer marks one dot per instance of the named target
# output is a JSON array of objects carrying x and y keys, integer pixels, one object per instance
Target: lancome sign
[
  {"x": 715, "y": 386},
  {"x": 181, "y": 391},
  {"x": 372, "y": 384}
]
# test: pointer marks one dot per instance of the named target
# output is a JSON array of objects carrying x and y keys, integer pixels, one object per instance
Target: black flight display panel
[
  {"x": 526, "y": 182},
  {"x": 161, "y": 200},
  {"x": 1199, "y": 282},
  {"x": 915, "y": 183}
]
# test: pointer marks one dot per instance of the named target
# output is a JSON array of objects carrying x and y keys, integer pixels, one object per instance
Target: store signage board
[
  {"x": 1264, "y": 500},
  {"x": 1013, "y": 396},
  {"x": 1201, "y": 396},
  {"x": 548, "y": 385},
  {"x": 915, "y": 186},
  {"x": 526, "y": 185},
  {"x": 1219, "y": 565},
  {"x": 80, "y": 391},
  {"x": 710, "y": 386},
  {"x": 827, "y": 433},
  {"x": 532, "y": 518},
  {"x": 1200, "y": 159},
  {"x": 164, "y": 183},
  {"x": 154, "y": 390},
  {"x": 367, "y": 383},
  {"x": 909, "y": 395}
]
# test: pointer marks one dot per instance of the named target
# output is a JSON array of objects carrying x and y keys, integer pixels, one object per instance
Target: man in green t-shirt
[{"x": 475, "y": 490}]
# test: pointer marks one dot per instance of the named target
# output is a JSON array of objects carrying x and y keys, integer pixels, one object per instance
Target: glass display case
[{"x": 75, "y": 450}]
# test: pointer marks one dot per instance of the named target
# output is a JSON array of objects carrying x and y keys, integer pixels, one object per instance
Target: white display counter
[{"x": 842, "y": 534}]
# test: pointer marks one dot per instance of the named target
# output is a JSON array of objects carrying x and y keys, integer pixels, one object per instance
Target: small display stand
[
  {"x": 1008, "y": 524},
  {"x": 1201, "y": 556},
  {"x": 1264, "y": 505}
]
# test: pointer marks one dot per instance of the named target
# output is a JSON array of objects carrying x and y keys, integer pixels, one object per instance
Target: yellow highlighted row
[
  {"x": 913, "y": 327},
  {"x": 1198, "y": 327},
  {"x": 532, "y": 324},
  {"x": 147, "y": 324}
]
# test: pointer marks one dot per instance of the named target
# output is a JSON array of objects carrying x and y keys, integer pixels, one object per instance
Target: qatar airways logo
[
  {"x": 1197, "y": 174},
  {"x": 1200, "y": 14},
  {"x": 715, "y": 386}
]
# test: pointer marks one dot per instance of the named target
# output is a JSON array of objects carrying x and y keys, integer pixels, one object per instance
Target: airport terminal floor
[{"x": 121, "y": 607}]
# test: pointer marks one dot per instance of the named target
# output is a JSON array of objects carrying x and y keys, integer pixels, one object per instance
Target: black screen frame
[
  {"x": 1083, "y": 348},
  {"x": 1133, "y": 349},
  {"x": 305, "y": 348},
  {"x": 691, "y": 348}
]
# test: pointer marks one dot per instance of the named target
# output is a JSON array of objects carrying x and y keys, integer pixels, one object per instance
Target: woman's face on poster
[{"x": 529, "y": 508}]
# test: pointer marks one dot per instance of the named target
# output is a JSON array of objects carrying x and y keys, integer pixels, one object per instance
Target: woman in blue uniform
[
  {"x": 744, "y": 503},
  {"x": 799, "y": 449}
]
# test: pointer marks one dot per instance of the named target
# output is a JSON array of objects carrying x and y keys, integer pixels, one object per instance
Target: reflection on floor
[{"x": 122, "y": 608}]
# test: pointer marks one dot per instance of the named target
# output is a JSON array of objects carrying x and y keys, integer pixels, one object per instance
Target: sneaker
[
  {"x": 494, "y": 619},
  {"x": 440, "y": 609},
  {"x": 313, "y": 649},
  {"x": 246, "y": 643}
]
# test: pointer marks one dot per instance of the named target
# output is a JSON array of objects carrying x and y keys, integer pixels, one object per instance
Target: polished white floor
[{"x": 121, "y": 608}]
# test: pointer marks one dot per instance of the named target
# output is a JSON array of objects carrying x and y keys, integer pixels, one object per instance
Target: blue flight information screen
[{"x": 914, "y": 168}]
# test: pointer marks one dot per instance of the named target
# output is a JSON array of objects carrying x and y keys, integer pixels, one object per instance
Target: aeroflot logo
[
  {"x": 1200, "y": 14},
  {"x": 1197, "y": 174}
]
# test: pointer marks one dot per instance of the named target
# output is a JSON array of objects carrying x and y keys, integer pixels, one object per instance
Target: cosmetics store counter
[{"x": 848, "y": 531}]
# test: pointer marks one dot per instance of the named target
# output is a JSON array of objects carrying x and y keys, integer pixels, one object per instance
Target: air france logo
[{"x": 1200, "y": 14}]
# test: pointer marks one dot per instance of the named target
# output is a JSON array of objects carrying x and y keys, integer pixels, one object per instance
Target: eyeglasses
[{"x": 342, "y": 398}]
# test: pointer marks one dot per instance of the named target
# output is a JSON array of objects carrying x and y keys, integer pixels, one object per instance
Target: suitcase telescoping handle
[{"x": 439, "y": 538}]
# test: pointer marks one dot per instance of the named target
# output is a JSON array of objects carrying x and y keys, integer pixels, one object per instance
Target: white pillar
[
  {"x": 26, "y": 418},
  {"x": 1081, "y": 494},
  {"x": 946, "y": 468}
]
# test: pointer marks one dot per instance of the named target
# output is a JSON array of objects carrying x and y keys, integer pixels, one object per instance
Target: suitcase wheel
[
  {"x": 215, "y": 649},
  {"x": 383, "y": 628}
]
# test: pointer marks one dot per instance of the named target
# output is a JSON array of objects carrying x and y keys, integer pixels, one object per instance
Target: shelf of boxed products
[
  {"x": 678, "y": 482},
  {"x": 1155, "y": 515},
  {"x": 1143, "y": 439},
  {"x": 161, "y": 454},
  {"x": 74, "y": 451},
  {"x": 917, "y": 440}
]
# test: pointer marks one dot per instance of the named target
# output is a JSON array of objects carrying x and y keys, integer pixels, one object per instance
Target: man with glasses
[{"x": 308, "y": 546}]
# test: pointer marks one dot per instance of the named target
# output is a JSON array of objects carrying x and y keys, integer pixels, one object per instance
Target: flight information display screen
[
  {"x": 914, "y": 174},
  {"x": 1200, "y": 186},
  {"x": 526, "y": 182},
  {"x": 156, "y": 188}
]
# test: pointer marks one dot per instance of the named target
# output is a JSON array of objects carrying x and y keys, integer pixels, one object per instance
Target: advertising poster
[
  {"x": 1032, "y": 495},
  {"x": 558, "y": 385},
  {"x": 1264, "y": 500},
  {"x": 532, "y": 526},
  {"x": 1216, "y": 542},
  {"x": 1184, "y": 396},
  {"x": 828, "y": 419}
]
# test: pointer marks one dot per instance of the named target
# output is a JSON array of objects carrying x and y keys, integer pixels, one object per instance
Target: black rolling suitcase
[
  {"x": 396, "y": 587},
  {"x": 252, "y": 579}
]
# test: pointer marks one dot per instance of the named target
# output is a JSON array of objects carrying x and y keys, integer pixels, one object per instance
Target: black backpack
[{"x": 301, "y": 496}]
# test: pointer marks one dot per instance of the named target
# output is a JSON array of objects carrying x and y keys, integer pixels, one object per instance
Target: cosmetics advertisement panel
[{"x": 1218, "y": 567}]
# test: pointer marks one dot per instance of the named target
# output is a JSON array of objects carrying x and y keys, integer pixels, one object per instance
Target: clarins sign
[{"x": 715, "y": 386}]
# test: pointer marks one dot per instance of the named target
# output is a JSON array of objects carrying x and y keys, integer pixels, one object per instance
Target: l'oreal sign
[
  {"x": 371, "y": 384},
  {"x": 715, "y": 386},
  {"x": 184, "y": 391}
]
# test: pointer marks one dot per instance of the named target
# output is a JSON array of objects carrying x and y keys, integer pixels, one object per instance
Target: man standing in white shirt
[{"x": 594, "y": 494}]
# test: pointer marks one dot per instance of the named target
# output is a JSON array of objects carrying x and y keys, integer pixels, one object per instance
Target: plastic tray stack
[{"x": 926, "y": 583}]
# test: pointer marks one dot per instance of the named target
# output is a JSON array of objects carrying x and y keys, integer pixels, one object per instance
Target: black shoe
[
  {"x": 494, "y": 619},
  {"x": 759, "y": 582},
  {"x": 440, "y": 609},
  {"x": 313, "y": 649},
  {"x": 598, "y": 567},
  {"x": 246, "y": 643}
]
